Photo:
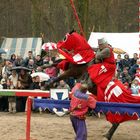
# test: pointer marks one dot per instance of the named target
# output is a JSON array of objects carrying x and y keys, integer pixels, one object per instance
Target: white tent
[{"x": 129, "y": 42}]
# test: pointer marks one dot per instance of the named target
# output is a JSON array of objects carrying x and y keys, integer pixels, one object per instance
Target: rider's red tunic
[{"x": 101, "y": 74}]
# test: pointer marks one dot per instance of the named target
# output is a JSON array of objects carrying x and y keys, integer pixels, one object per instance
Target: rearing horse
[{"x": 79, "y": 57}]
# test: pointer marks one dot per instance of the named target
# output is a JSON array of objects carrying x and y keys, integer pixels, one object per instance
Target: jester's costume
[
  {"x": 80, "y": 102},
  {"x": 77, "y": 51}
]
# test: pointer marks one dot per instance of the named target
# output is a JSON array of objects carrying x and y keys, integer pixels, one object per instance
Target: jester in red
[{"x": 80, "y": 102}]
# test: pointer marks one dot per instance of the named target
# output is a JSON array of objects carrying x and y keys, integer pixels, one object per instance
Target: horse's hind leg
[{"x": 111, "y": 131}]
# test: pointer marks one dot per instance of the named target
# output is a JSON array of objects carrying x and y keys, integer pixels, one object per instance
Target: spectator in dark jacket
[
  {"x": 125, "y": 77},
  {"x": 24, "y": 81},
  {"x": 133, "y": 70},
  {"x": 31, "y": 64},
  {"x": 125, "y": 63},
  {"x": 118, "y": 60},
  {"x": 35, "y": 83},
  {"x": 30, "y": 56},
  {"x": 134, "y": 59},
  {"x": 38, "y": 60},
  {"x": 13, "y": 59}
]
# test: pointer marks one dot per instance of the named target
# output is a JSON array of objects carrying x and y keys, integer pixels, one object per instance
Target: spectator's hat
[{"x": 102, "y": 41}]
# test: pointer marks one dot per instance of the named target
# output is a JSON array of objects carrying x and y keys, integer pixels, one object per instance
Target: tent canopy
[
  {"x": 129, "y": 42},
  {"x": 21, "y": 46}
]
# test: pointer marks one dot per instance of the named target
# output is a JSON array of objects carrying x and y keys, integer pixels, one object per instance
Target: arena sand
[{"x": 51, "y": 127}]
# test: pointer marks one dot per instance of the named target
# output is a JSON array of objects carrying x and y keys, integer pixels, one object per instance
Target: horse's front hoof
[{"x": 107, "y": 136}]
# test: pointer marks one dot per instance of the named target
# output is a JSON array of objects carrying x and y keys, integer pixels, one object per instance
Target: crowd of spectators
[
  {"x": 21, "y": 79},
  {"x": 127, "y": 69}
]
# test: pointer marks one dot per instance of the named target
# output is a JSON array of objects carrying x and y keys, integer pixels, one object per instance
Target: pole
[
  {"x": 77, "y": 18},
  {"x": 28, "y": 118}
]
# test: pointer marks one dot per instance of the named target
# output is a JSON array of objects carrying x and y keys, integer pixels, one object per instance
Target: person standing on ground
[{"x": 80, "y": 102}]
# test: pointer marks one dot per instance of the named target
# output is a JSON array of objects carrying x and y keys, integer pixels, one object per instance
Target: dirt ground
[{"x": 51, "y": 127}]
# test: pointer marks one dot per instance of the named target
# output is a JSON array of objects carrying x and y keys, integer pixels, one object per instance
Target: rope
[{"x": 77, "y": 18}]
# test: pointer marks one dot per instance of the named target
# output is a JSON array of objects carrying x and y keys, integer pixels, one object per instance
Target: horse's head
[{"x": 75, "y": 49}]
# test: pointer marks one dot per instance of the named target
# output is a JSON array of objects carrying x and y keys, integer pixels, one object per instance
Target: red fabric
[
  {"x": 80, "y": 103},
  {"x": 117, "y": 118},
  {"x": 94, "y": 96},
  {"x": 102, "y": 73},
  {"x": 74, "y": 45},
  {"x": 124, "y": 96},
  {"x": 76, "y": 87}
]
